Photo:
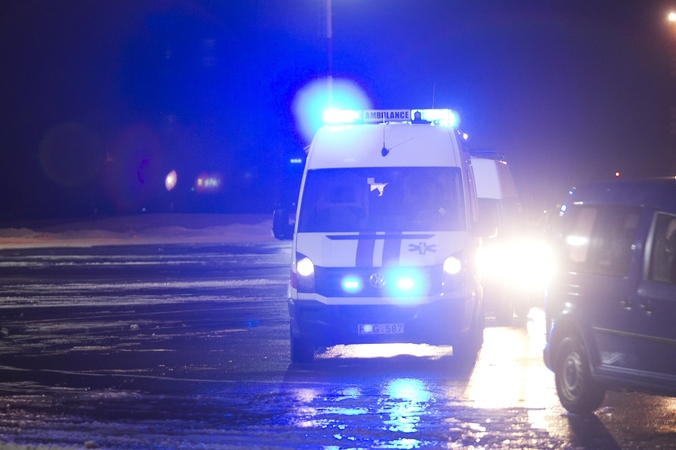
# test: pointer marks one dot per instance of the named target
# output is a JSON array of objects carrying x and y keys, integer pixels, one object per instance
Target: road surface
[{"x": 186, "y": 346}]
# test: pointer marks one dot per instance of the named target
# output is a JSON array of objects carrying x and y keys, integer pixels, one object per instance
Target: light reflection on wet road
[{"x": 195, "y": 355}]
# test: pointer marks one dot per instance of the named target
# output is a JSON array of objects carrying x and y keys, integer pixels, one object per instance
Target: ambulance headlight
[
  {"x": 305, "y": 274},
  {"x": 305, "y": 267},
  {"x": 452, "y": 265},
  {"x": 532, "y": 265},
  {"x": 523, "y": 264},
  {"x": 352, "y": 284}
]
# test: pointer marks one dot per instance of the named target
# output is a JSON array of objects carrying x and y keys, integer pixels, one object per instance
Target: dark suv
[{"x": 611, "y": 309}]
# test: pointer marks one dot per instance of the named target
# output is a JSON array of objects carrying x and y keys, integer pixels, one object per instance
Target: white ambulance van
[
  {"x": 500, "y": 209},
  {"x": 515, "y": 265},
  {"x": 385, "y": 236}
]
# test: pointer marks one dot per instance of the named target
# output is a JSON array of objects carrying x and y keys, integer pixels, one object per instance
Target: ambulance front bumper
[{"x": 438, "y": 321}]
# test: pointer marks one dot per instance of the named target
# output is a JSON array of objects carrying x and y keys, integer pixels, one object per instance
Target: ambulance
[
  {"x": 385, "y": 235},
  {"x": 515, "y": 265},
  {"x": 500, "y": 208}
]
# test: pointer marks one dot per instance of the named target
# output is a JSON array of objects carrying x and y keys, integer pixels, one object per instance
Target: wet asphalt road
[{"x": 182, "y": 346}]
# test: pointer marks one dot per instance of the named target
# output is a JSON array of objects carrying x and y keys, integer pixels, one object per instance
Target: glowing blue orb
[{"x": 315, "y": 97}]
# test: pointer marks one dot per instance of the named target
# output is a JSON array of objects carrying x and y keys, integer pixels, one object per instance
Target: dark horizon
[{"x": 102, "y": 99}]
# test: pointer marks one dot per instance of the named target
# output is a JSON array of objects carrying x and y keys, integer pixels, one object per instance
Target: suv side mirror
[{"x": 281, "y": 228}]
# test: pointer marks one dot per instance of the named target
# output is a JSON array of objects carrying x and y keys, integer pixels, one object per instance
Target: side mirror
[{"x": 281, "y": 228}]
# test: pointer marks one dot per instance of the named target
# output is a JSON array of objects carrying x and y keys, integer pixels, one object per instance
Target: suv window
[
  {"x": 597, "y": 239},
  {"x": 663, "y": 249}
]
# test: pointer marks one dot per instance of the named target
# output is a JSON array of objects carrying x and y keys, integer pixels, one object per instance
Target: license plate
[{"x": 381, "y": 328}]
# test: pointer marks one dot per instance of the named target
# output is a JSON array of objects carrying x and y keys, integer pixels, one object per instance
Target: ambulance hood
[{"x": 381, "y": 249}]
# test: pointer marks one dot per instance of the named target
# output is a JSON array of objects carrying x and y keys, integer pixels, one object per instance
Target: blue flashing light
[
  {"x": 352, "y": 284},
  {"x": 315, "y": 97},
  {"x": 296, "y": 160},
  {"x": 333, "y": 116},
  {"x": 408, "y": 389},
  {"x": 405, "y": 282},
  {"x": 443, "y": 117}
]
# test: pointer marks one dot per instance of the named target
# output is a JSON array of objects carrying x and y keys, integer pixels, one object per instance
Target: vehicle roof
[
  {"x": 407, "y": 145},
  {"x": 659, "y": 193},
  {"x": 493, "y": 179}
]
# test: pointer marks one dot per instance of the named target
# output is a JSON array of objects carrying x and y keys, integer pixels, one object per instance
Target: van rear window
[{"x": 383, "y": 199}]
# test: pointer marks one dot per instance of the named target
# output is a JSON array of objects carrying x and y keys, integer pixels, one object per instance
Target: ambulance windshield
[{"x": 383, "y": 199}]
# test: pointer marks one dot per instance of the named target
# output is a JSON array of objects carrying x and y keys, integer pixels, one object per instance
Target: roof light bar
[
  {"x": 334, "y": 116},
  {"x": 442, "y": 117}
]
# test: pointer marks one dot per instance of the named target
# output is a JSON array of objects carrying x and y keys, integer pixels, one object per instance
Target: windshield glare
[{"x": 383, "y": 199}]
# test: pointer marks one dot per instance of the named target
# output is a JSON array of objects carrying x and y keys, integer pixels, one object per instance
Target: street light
[
  {"x": 329, "y": 39},
  {"x": 671, "y": 17}
]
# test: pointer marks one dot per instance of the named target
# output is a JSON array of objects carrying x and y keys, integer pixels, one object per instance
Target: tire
[
  {"x": 465, "y": 350},
  {"x": 302, "y": 350},
  {"x": 578, "y": 392}
]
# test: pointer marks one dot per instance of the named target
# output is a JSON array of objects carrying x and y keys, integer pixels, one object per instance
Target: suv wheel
[
  {"x": 578, "y": 391},
  {"x": 302, "y": 351}
]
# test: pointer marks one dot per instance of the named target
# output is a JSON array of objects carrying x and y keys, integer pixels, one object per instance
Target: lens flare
[
  {"x": 170, "y": 180},
  {"x": 313, "y": 99}
]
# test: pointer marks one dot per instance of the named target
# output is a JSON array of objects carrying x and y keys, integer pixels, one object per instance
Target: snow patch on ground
[{"x": 141, "y": 229}]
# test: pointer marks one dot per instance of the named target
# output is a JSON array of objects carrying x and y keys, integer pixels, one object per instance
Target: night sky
[{"x": 99, "y": 100}]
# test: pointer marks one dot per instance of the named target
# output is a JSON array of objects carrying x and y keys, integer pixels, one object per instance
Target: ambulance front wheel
[
  {"x": 465, "y": 350},
  {"x": 302, "y": 350}
]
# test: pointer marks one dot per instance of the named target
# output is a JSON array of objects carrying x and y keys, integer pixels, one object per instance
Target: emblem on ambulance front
[
  {"x": 422, "y": 248},
  {"x": 377, "y": 280}
]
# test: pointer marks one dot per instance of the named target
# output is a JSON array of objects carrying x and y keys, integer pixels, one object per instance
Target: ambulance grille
[{"x": 328, "y": 281}]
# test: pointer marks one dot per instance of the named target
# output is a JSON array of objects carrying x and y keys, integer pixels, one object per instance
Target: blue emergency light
[
  {"x": 352, "y": 284},
  {"x": 441, "y": 117},
  {"x": 405, "y": 282},
  {"x": 336, "y": 116}
]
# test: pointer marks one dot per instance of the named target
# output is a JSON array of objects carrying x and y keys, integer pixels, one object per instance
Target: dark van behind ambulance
[{"x": 611, "y": 308}]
